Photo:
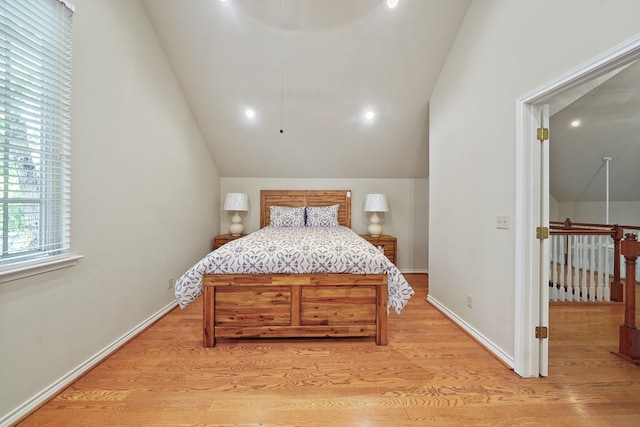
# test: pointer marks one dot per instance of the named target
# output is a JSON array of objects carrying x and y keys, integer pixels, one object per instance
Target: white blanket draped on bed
[{"x": 296, "y": 250}]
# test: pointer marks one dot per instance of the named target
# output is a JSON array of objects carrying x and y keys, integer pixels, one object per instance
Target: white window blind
[{"x": 35, "y": 128}]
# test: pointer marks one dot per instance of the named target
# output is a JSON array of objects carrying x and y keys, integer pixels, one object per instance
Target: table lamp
[
  {"x": 236, "y": 202},
  {"x": 375, "y": 203}
]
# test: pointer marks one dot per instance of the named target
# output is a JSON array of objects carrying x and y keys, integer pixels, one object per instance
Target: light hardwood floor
[{"x": 430, "y": 374}]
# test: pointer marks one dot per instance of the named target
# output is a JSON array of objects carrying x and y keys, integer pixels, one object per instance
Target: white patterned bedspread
[{"x": 296, "y": 250}]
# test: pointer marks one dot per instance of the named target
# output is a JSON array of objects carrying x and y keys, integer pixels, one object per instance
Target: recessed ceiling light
[
  {"x": 250, "y": 113},
  {"x": 576, "y": 123},
  {"x": 369, "y": 115},
  {"x": 392, "y": 3}
]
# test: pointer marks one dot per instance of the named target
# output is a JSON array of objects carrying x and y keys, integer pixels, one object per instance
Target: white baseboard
[
  {"x": 414, "y": 271},
  {"x": 486, "y": 343},
  {"x": 64, "y": 381}
]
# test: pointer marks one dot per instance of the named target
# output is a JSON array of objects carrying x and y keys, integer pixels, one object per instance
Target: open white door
[
  {"x": 532, "y": 258},
  {"x": 543, "y": 321}
]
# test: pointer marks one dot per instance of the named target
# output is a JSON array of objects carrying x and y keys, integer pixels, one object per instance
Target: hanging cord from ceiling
[{"x": 281, "y": 66}]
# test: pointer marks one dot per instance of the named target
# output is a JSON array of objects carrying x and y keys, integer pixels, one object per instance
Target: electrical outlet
[
  {"x": 502, "y": 221},
  {"x": 171, "y": 283},
  {"x": 469, "y": 301}
]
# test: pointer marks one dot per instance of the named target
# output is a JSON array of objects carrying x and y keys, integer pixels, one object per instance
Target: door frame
[{"x": 527, "y": 361}]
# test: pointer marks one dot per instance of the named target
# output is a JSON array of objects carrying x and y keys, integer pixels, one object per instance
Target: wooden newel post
[
  {"x": 616, "y": 286},
  {"x": 629, "y": 334}
]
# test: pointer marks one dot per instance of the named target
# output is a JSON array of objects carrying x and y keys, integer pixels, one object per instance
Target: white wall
[
  {"x": 505, "y": 49},
  {"x": 407, "y": 218},
  {"x": 554, "y": 209},
  {"x": 622, "y": 213},
  {"x": 144, "y": 203}
]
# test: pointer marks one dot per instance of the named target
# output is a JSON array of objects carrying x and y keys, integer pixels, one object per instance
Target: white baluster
[
  {"x": 601, "y": 251},
  {"x": 607, "y": 280},
  {"x": 570, "y": 267},
  {"x": 585, "y": 265},
  {"x": 553, "y": 290},
  {"x": 562, "y": 290},
  {"x": 592, "y": 269}
]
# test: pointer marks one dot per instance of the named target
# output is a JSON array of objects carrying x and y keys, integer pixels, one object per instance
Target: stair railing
[{"x": 579, "y": 261}]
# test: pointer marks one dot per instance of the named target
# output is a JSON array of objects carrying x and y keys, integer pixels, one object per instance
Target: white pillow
[
  {"x": 322, "y": 216},
  {"x": 285, "y": 216}
]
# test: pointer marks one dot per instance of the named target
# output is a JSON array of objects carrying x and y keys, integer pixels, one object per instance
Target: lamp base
[
  {"x": 236, "y": 228},
  {"x": 375, "y": 229}
]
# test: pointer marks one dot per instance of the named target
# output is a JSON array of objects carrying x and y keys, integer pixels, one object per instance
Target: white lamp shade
[
  {"x": 376, "y": 203},
  {"x": 236, "y": 202}
]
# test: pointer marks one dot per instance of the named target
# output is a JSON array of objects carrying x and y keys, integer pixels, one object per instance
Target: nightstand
[
  {"x": 224, "y": 238},
  {"x": 387, "y": 243}
]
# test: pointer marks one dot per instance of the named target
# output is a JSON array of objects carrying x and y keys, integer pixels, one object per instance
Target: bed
[{"x": 295, "y": 280}]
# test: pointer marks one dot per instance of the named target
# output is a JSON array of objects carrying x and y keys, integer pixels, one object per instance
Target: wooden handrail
[
  {"x": 580, "y": 232},
  {"x": 567, "y": 223},
  {"x": 629, "y": 345}
]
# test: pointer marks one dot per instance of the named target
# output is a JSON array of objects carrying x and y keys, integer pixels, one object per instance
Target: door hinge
[
  {"x": 542, "y": 332},
  {"x": 542, "y": 233},
  {"x": 542, "y": 134}
]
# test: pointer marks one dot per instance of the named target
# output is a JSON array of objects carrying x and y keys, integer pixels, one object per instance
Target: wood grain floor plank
[{"x": 431, "y": 373}]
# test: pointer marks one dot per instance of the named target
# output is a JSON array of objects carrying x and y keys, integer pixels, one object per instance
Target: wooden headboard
[{"x": 297, "y": 198}]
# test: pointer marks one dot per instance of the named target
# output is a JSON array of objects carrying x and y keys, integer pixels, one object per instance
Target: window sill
[{"x": 38, "y": 267}]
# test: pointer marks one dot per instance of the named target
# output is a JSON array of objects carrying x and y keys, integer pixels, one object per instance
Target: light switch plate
[{"x": 502, "y": 221}]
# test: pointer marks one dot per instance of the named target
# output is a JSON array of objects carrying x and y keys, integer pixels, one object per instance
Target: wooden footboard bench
[{"x": 294, "y": 305}]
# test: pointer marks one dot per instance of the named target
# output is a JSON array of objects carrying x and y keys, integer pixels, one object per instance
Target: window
[{"x": 35, "y": 129}]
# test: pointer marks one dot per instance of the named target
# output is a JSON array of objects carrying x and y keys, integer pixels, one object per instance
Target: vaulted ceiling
[
  {"x": 605, "y": 114},
  {"x": 312, "y": 68}
]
